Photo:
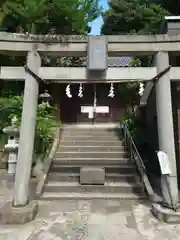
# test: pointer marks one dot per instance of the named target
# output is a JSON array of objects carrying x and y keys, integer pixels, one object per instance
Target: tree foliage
[
  {"x": 49, "y": 16},
  {"x": 133, "y": 16}
]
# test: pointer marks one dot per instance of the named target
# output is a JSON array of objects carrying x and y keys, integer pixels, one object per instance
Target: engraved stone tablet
[{"x": 92, "y": 175}]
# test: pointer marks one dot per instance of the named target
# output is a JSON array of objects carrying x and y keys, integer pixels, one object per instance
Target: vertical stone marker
[
  {"x": 27, "y": 133},
  {"x": 165, "y": 129}
]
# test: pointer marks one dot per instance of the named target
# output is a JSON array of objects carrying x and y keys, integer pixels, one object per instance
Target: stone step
[
  {"x": 88, "y": 143},
  {"x": 76, "y": 176},
  {"x": 49, "y": 196},
  {"x": 86, "y": 125},
  {"x": 76, "y": 154},
  {"x": 91, "y": 134},
  {"x": 79, "y": 148},
  {"x": 91, "y": 130},
  {"x": 108, "y": 187},
  {"x": 89, "y": 161},
  {"x": 69, "y": 168},
  {"x": 56, "y": 176},
  {"x": 89, "y": 138}
]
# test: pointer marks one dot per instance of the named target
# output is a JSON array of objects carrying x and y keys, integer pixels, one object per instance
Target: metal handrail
[{"x": 136, "y": 158}]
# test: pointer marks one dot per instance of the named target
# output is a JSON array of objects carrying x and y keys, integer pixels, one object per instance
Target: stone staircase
[{"x": 93, "y": 147}]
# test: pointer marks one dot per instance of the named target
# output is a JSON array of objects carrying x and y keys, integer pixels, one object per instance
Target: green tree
[
  {"x": 73, "y": 16},
  {"x": 48, "y": 16},
  {"x": 133, "y": 16},
  {"x": 54, "y": 16},
  {"x": 28, "y": 14}
]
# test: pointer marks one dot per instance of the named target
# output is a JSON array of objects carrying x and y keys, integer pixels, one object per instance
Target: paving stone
[{"x": 80, "y": 221}]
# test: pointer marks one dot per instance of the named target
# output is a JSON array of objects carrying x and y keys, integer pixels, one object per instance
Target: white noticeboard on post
[{"x": 164, "y": 163}]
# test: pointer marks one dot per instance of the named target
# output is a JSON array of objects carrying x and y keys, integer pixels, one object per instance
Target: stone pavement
[{"x": 92, "y": 220}]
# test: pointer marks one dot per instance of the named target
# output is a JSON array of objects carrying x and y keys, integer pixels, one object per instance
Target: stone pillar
[
  {"x": 165, "y": 129},
  {"x": 27, "y": 133}
]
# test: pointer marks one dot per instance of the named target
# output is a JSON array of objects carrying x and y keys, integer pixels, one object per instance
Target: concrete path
[{"x": 92, "y": 220}]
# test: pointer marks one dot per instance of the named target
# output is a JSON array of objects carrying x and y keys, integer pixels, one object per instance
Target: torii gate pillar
[
  {"x": 166, "y": 130},
  {"x": 27, "y": 133}
]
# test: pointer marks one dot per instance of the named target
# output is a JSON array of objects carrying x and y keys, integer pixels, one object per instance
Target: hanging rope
[
  {"x": 141, "y": 89},
  {"x": 34, "y": 75},
  {"x": 68, "y": 91},
  {"x": 80, "y": 94},
  {"x": 111, "y": 92}
]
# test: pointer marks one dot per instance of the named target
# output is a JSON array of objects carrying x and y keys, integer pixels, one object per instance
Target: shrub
[
  {"x": 136, "y": 128},
  {"x": 140, "y": 135},
  {"x": 45, "y": 123},
  {"x": 8, "y": 108}
]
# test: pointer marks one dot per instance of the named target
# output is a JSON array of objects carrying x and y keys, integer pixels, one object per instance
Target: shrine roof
[
  {"x": 116, "y": 61},
  {"x": 119, "y": 61}
]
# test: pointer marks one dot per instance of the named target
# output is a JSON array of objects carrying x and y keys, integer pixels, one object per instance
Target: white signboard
[
  {"x": 164, "y": 162},
  {"x": 102, "y": 109},
  {"x": 90, "y": 110}
]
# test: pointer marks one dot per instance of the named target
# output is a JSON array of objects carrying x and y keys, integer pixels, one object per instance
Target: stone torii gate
[{"x": 97, "y": 48}]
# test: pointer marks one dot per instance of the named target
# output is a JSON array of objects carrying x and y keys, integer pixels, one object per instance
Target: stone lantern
[
  {"x": 12, "y": 146},
  {"x": 45, "y": 98}
]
